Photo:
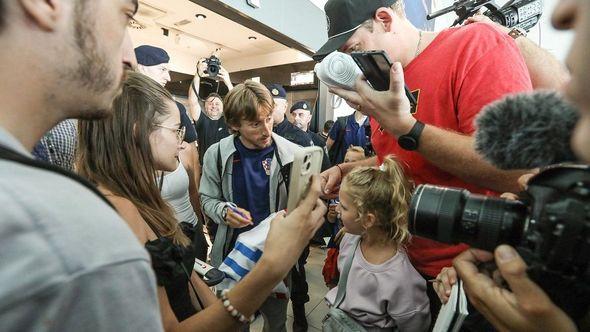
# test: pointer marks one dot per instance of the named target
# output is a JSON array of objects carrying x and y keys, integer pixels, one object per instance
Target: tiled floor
[{"x": 316, "y": 308}]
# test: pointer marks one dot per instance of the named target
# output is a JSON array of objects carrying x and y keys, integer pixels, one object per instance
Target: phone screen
[{"x": 375, "y": 66}]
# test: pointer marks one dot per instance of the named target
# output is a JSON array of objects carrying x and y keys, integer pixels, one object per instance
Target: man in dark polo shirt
[{"x": 301, "y": 112}]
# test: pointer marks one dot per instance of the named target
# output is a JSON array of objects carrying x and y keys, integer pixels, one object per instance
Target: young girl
[
  {"x": 330, "y": 270},
  {"x": 383, "y": 290}
]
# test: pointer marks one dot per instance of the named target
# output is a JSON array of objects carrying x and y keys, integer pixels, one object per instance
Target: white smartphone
[{"x": 307, "y": 162}]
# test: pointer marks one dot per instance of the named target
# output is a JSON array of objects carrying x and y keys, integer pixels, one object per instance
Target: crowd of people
[{"x": 108, "y": 182}]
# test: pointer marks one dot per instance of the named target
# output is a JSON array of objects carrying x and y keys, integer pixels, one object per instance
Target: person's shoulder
[
  {"x": 202, "y": 121},
  {"x": 211, "y": 152},
  {"x": 284, "y": 143},
  {"x": 348, "y": 240},
  {"x": 302, "y": 138},
  {"x": 61, "y": 230},
  {"x": 225, "y": 145},
  {"x": 476, "y": 34},
  {"x": 180, "y": 106}
]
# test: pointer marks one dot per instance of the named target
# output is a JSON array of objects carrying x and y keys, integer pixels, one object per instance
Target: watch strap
[
  {"x": 517, "y": 32},
  {"x": 411, "y": 140}
]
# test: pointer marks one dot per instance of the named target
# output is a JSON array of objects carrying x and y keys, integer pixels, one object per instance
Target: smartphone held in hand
[{"x": 306, "y": 163}]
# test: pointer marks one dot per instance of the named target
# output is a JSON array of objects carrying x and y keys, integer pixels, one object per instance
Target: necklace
[{"x": 418, "y": 45}]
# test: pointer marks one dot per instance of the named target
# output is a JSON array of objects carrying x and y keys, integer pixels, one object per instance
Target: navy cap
[
  {"x": 301, "y": 105},
  {"x": 277, "y": 91},
  {"x": 151, "y": 56},
  {"x": 344, "y": 17}
]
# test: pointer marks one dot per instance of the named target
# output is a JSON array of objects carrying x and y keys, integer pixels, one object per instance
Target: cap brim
[{"x": 332, "y": 45}]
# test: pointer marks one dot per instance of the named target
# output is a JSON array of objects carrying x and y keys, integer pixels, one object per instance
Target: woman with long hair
[{"x": 123, "y": 154}]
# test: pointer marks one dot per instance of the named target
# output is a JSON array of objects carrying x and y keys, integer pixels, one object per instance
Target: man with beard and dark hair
[
  {"x": 58, "y": 146},
  {"x": 68, "y": 260}
]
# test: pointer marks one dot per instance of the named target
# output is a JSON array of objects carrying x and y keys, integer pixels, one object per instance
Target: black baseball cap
[{"x": 344, "y": 17}]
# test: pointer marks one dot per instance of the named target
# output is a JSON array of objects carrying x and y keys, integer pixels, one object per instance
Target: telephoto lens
[{"x": 455, "y": 215}]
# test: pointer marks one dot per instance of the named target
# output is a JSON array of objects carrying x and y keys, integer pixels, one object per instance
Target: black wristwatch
[{"x": 411, "y": 140}]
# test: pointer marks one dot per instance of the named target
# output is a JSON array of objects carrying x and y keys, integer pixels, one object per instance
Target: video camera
[
  {"x": 550, "y": 227},
  {"x": 523, "y": 14}
]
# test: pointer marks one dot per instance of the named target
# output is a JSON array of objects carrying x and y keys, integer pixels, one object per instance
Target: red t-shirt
[{"x": 461, "y": 71}]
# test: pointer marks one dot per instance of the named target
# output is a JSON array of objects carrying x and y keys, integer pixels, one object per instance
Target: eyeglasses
[{"x": 179, "y": 131}]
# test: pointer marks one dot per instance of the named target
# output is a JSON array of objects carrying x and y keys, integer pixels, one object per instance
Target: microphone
[
  {"x": 338, "y": 70},
  {"x": 526, "y": 131}
]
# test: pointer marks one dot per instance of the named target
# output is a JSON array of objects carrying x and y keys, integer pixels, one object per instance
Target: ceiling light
[
  {"x": 200, "y": 16},
  {"x": 252, "y": 38}
]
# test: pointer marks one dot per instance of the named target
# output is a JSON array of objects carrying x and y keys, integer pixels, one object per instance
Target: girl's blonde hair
[
  {"x": 355, "y": 148},
  {"x": 384, "y": 192}
]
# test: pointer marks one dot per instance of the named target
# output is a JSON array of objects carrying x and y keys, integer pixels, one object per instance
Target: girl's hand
[{"x": 444, "y": 282}]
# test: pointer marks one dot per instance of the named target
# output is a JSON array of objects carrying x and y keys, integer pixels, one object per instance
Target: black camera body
[
  {"x": 515, "y": 13},
  {"x": 524, "y": 14},
  {"x": 213, "y": 66},
  {"x": 550, "y": 227}
]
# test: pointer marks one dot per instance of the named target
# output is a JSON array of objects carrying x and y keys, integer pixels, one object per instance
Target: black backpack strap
[
  {"x": 11, "y": 155},
  {"x": 285, "y": 171},
  {"x": 220, "y": 171}
]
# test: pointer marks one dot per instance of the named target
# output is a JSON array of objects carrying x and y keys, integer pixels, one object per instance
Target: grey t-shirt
[
  {"x": 68, "y": 262},
  {"x": 385, "y": 295}
]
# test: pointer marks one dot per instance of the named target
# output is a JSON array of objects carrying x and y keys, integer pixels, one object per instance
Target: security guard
[
  {"x": 282, "y": 126},
  {"x": 301, "y": 112}
]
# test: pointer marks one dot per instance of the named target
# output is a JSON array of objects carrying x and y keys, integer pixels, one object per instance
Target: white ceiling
[{"x": 190, "y": 39}]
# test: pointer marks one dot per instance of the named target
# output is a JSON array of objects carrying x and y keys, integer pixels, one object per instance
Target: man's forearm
[
  {"x": 545, "y": 70},
  {"x": 193, "y": 99},
  {"x": 229, "y": 84},
  {"x": 455, "y": 153}
]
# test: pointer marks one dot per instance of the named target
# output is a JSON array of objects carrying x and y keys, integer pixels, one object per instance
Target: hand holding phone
[
  {"x": 375, "y": 66},
  {"x": 307, "y": 161}
]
